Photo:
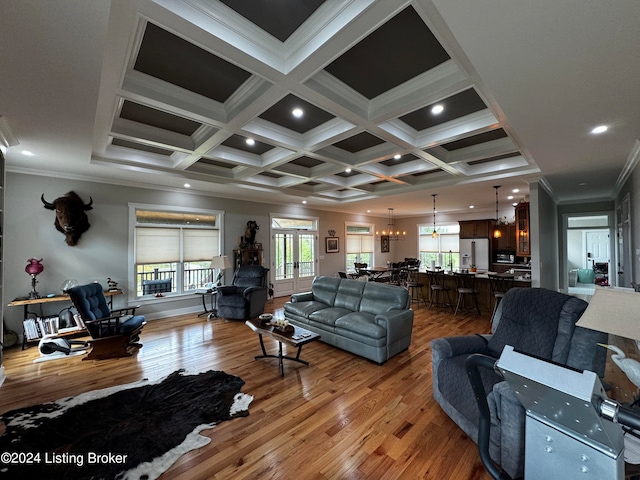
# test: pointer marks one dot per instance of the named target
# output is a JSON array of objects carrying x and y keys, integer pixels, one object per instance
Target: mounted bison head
[{"x": 70, "y": 217}]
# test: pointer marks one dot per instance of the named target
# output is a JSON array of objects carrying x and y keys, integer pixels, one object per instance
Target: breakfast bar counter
[{"x": 482, "y": 285}]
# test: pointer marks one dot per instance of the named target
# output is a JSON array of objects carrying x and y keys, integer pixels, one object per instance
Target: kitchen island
[{"x": 485, "y": 300}]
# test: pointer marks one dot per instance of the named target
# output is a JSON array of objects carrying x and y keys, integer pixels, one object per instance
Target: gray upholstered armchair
[
  {"x": 535, "y": 321},
  {"x": 246, "y": 296}
]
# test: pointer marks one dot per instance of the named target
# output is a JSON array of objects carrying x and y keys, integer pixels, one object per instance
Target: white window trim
[
  {"x": 131, "y": 271},
  {"x": 372, "y": 233}
]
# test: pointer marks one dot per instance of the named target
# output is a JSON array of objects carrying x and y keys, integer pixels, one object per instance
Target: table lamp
[
  {"x": 34, "y": 268},
  {"x": 221, "y": 263},
  {"x": 616, "y": 311}
]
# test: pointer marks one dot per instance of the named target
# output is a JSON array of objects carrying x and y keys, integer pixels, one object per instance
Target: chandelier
[{"x": 391, "y": 230}]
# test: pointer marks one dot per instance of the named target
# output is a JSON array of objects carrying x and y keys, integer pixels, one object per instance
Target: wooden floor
[{"x": 342, "y": 417}]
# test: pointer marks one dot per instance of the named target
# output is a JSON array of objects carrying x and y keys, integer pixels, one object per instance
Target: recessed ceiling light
[
  {"x": 348, "y": 170},
  {"x": 187, "y": 185},
  {"x": 250, "y": 141},
  {"x": 297, "y": 112},
  {"x": 510, "y": 197},
  {"x": 397, "y": 156},
  {"x": 437, "y": 109},
  {"x": 304, "y": 202},
  {"x": 515, "y": 204},
  {"x": 472, "y": 206},
  {"x": 600, "y": 129},
  {"x": 28, "y": 153},
  {"x": 515, "y": 190},
  {"x": 582, "y": 184},
  {"x": 368, "y": 211}
]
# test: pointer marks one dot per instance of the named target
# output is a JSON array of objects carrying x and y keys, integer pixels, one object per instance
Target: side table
[{"x": 213, "y": 294}]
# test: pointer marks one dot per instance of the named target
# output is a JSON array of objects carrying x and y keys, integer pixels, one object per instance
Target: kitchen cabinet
[
  {"x": 476, "y": 228},
  {"x": 523, "y": 241},
  {"x": 507, "y": 242},
  {"x": 247, "y": 256}
]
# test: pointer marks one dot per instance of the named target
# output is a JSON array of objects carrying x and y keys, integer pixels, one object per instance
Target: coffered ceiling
[{"x": 174, "y": 89}]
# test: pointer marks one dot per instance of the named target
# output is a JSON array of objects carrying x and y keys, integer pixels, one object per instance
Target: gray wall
[
  {"x": 103, "y": 250},
  {"x": 544, "y": 238},
  {"x": 632, "y": 187}
]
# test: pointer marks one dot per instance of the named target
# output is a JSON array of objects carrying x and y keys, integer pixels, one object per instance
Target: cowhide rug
[{"x": 134, "y": 431}]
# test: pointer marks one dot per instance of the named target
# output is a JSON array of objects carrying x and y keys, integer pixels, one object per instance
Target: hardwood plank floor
[{"x": 342, "y": 417}]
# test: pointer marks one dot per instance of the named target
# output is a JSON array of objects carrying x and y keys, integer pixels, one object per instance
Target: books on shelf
[{"x": 36, "y": 328}]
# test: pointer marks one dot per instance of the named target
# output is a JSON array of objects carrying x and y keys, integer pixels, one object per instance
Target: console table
[{"x": 26, "y": 302}]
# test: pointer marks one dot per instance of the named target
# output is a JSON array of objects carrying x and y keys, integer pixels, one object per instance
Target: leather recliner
[{"x": 247, "y": 295}]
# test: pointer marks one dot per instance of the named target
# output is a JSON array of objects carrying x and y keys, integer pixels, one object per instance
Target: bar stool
[
  {"x": 499, "y": 284},
  {"x": 394, "y": 274},
  {"x": 467, "y": 293},
  {"x": 439, "y": 292},
  {"x": 413, "y": 284}
]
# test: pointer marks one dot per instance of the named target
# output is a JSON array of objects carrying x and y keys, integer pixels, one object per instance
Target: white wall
[{"x": 544, "y": 238}]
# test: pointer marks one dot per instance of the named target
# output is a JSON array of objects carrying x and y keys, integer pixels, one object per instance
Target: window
[
  {"x": 437, "y": 249},
  {"x": 359, "y": 244},
  {"x": 172, "y": 249}
]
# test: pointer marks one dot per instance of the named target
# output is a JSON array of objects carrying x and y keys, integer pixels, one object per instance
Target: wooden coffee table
[{"x": 297, "y": 338}]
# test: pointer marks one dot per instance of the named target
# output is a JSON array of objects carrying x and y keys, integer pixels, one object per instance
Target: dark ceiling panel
[
  {"x": 347, "y": 174},
  {"x": 271, "y": 174},
  {"x": 428, "y": 172},
  {"x": 398, "y": 51},
  {"x": 456, "y": 106},
  {"x": 174, "y": 60},
  {"x": 280, "y": 18},
  {"x": 392, "y": 162},
  {"x": 157, "y": 118},
  {"x": 307, "y": 162},
  {"x": 475, "y": 140},
  {"x": 238, "y": 142},
  {"x": 119, "y": 142},
  {"x": 494, "y": 159},
  {"x": 280, "y": 114},
  {"x": 359, "y": 142},
  {"x": 216, "y": 163}
]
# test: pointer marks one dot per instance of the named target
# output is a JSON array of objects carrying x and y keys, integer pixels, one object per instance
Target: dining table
[{"x": 377, "y": 272}]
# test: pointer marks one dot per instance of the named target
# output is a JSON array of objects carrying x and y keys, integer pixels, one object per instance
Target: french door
[{"x": 294, "y": 261}]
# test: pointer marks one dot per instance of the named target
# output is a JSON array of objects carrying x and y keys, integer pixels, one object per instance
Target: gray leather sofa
[
  {"x": 369, "y": 319},
  {"x": 535, "y": 321}
]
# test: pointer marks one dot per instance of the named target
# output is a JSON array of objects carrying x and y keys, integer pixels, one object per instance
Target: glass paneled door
[{"x": 294, "y": 261}]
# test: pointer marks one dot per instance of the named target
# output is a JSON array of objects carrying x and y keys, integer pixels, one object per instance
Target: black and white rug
[{"x": 133, "y": 431}]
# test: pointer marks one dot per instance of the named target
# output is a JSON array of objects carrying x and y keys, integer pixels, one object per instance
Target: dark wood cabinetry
[
  {"x": 523, "y": 242},
  {"x": 246, "y": 256},
  {"x": 476, "y": 228},
  {"x": 507, "y": 241}
]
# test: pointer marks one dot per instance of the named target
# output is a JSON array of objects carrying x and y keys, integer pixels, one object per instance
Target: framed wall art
[
  {"x": 384, "y": 243},
  {"x": 332, "y": 244}
]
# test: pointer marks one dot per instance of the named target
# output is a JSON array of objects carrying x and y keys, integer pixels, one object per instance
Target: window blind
[
  {"x": 157, "y": 245},
  {"x": 199, "y": 244}
]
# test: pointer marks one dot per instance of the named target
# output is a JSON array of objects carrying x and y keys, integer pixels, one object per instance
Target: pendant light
[
  {"x": 434, "y": 234},
  {"x": 497, "y": 233}
]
